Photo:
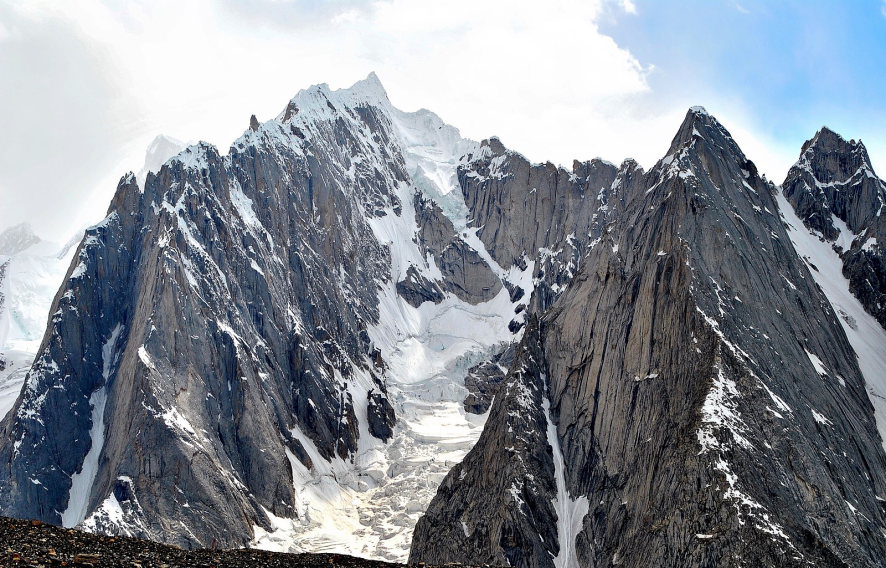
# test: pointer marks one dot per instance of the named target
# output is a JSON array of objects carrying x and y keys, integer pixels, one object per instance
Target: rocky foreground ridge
[{"x": 34, "y": 544}]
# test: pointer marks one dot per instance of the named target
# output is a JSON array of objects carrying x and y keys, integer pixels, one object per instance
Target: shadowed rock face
[
  {"x": 678, "y": 377},
  {"x": 495, "y": 507},
  {"x": 836, "y": 193},
  {"x": 833, "y": 178},
  {"x": 484, "y": 380}
]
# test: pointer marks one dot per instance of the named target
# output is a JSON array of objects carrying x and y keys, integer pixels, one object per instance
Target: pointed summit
[
  {"x": 835, "y": 192},
  {"x": 827, "y": 137},
  {"x": 832, "y": 157},
  {"x": 368, "y": 90},
  {"x": 699, "y": 124},
  {"x": 834, "y": 178},
  {"x": 320, "y": 98},
  {"x": 370, "y": 83},
  {"x": 159, "y": 150}
]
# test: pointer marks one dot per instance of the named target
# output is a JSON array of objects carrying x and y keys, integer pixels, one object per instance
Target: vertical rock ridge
[{"x": 683, "y": 364}]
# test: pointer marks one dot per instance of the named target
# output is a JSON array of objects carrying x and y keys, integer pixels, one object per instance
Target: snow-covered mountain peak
[
  {"x": 161, "y": 149},
  {"x": 321, "y": 99},
  {"x": 17, "y": 239},
  {"x": 369, "y": 89},
  {"x": 417, "y": 129},
  {"x": 21, "y": 240},
  {"x": 837, "y": 195},
  {"x": 315, "y": 326},
  {"x": 194, "y": 156}
]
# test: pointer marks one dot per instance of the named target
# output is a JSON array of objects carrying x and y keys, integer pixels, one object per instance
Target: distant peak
[
  {"x": 832, "y": 158},
  {"x": 828, "y": 141},
  {"x": 17, "y": 238},
  {"x": 698, "y": 110},
  {"x": 162, "y": 140},
  {"x": 158, "y": 152},
  {"x": 20, "y": 229}
]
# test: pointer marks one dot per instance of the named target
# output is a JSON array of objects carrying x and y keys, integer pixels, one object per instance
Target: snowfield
[{"x": 866, "y": 335}]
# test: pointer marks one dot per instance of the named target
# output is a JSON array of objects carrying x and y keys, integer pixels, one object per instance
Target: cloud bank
[{"x": 87, "y": 84}]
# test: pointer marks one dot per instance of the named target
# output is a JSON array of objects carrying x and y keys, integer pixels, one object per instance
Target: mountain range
[{"x": 357, "y": 331}]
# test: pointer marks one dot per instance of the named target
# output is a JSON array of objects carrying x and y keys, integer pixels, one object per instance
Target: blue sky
[
  {"x": 87, "y": 84},
  {"x": 791, "y": 66}
]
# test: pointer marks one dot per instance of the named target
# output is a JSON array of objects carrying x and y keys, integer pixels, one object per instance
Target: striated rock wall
[{"x": 707, "y": 405}]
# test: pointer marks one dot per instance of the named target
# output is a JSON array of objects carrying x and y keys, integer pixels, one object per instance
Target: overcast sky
[{"x": 86, "y": 85}]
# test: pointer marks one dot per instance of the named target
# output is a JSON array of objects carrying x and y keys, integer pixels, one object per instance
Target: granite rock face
[
  {"x": 498, "y": 501},
  {"x": 212, "y": 339},
  {"x": 701, "y": 401},
  {"x": 834, "y": 190},
  {"x": 463, "y": 271},
  {"x": 539, "y": 215},
  {"x": 222, "y": 306},
  {"x": 485, "y": 379}
]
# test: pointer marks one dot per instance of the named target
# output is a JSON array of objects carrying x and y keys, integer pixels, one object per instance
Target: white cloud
[
  {"x": 541, "y": 76},
  {"x": 883, "y": 9},
  {"x": 346, "y": 17}
]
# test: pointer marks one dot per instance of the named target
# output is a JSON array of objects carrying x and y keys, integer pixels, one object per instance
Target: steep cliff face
[
  {"x": 241, "y": 312},
  {"x": 213, "y": 314},
  {"x": 835, "y": 192},
  {"x": 701, "y": 401},
  {"x": 540, "y": 216}
]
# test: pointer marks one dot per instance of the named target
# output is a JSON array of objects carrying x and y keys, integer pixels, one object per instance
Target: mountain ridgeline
[{"x": 357, "y": 331}]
